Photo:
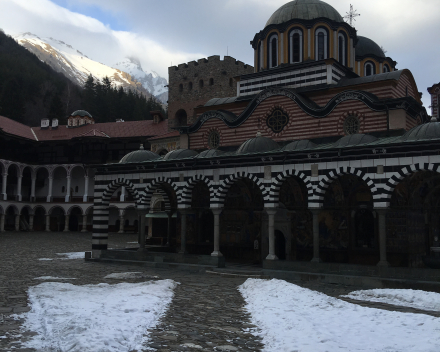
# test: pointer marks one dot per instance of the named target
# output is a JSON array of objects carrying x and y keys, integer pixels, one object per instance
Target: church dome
[
  {"x": 180, "y": 154},
  {"x": 81, "y": 113},
  {"x": 427, "y": 131},
  {"x": 210, "y": 153},
  {"x": 299, "y": 145},
  {"x": 139, "y": 156},
  {"x": 258, "y": 144},
  {"x": 367, "y": 47},
  {"x": 354, "y": 139},
  {"x": 304, "y": 10}
]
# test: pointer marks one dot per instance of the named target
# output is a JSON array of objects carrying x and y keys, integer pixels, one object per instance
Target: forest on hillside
[{"x": 31, "y": 90}]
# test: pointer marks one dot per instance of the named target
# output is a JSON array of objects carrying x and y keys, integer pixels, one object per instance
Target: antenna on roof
[{"x": 351, "y": 16}]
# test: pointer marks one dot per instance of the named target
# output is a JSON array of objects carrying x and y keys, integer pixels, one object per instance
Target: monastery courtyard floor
[{"x": 206, "y": 311}]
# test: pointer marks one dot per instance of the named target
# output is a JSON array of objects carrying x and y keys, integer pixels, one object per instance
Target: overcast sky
[{"x": 161, "y": 32}]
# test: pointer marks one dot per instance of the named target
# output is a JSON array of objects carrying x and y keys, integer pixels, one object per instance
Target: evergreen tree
[
  {"x": 56, "y": 110},
  {"x": 11, "y": 101}
]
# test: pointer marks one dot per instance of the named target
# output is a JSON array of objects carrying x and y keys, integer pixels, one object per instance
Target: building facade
[{"x": 324, "y": 153}]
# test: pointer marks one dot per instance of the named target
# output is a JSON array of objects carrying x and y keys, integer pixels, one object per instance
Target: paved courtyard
[{"x": 206, "y": 313}]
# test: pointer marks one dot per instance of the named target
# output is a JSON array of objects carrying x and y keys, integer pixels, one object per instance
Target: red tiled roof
[
  {"x": 16, "y": 128},
  {"x": 93, "y": 133},
  {"x": 126, "y": 129},
  {"x": 166, "y": 135}
]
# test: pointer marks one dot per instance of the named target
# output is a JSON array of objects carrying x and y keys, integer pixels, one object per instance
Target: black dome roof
[
  {"x": 210, "y": 153},
  {"x": 427, "y": 131},
  {"x": 304, "y": 10},
  {"x": 258, "y": 144},
  {"x": 367, "y": 47},
  {"x": 354, "y": 139},
  {"x": 81, "y": 113},
  {"x": 139, "y": 156},
  {"x": 180, "y": 154},
  {"x": 299, "y": 145}
]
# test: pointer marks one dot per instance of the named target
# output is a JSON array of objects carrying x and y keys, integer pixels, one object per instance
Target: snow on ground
[
  {"x": 74, "y": 255},
  {"x": 111, "y": 318},
  {"x": 54, "y": 278},
  {"x": 131, "y": 275},
  {"x": 407, "y": 298},
  {"x": 292, "y": 318}
]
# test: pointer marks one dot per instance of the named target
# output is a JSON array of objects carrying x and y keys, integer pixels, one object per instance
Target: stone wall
[{"x": 186, "y": 91}]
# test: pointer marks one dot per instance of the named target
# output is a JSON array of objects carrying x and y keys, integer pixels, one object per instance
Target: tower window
[
  {"x": 273, "y": 51},
  {"x": 211, "y": 81},
  {"x": 201, "y": 83},
  {"x": 180, "y": 88},
  {"x": 369, "y": 69},
  {"x": 190, "y": 85},
  {"x": 342, "y": 49},
  {"x": 386, "y": 68},
  {"x": 296, "y": 46},
  {"x": 231, "y": 82},
  {"x": 321, "y": 44}
]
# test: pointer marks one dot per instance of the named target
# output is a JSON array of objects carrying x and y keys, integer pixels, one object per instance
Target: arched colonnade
[{"x": 344, "y": 215}]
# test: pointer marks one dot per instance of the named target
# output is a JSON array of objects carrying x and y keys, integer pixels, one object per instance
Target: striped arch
[
  {"x": 401, "y": 174},
  {"x": 274, "y": 193},
  {"x": 113, "y": 186},
  {"x": 13, "y": 206},
  {"x": 40, "y": 207},
  {"x": 31, "y": 211},
  {"x": 155, "y": 186},
  {"x": 186, "y": 196},
  {"x": 334, "y": 174},
  {"x": 55, "y": 207},
  {"x": 222, "y": 191}
]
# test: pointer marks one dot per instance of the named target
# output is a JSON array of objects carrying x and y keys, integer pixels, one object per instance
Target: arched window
[
  {"x": 296, "y": 46},
  {"x": 342, "y": 49},
  {"x": 180, "y": 88},
  {"x": 211, "y": 81},
  {"x": 321, "y": 44},
  {"x": 273, "y": 51},
  {"x": 231, "y": 82},
  {"x": 369, "y": 68},
  {"x": 76, "y": 189},
  {"x": 386, "y": 68},
  {"x": 201, "y": 83},
  {"x": 181, "y": 118},
  {"x": 190, "y": 85},
  {"x": 63, "y": 189}
]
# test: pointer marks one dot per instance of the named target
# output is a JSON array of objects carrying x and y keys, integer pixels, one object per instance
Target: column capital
[
  {"x": 382, "y": 210},
  {"x": 271, "y": 211},
  {"x": 315, "y": 210},
  {"x": 216, "y": 211}
]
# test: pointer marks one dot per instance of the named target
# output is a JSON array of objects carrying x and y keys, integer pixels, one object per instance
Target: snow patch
[
  {"x": 73, "y": 255},
  {"x": 407, "y": 298},
  {"x": 292, "y": 318},
  {"x": 111, "y": 318}
]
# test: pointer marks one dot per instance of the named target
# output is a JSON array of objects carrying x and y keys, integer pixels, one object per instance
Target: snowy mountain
[
  {"x": 75, "y": 65},
  {"x": 152, "y": 82}
]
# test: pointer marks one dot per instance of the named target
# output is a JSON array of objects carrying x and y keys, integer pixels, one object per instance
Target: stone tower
[{"x": 196, "y": 82}]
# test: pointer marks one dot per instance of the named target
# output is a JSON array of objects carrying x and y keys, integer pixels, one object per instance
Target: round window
[
  {"x": 351, "y": 125},
  {"x": 277, "y": 120},
  {"x": 214, "y": 140}
]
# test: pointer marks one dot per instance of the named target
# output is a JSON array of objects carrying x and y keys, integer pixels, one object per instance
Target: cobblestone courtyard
[{"x": 206, "y": 313}]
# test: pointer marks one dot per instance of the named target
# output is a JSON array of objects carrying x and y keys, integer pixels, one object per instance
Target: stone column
[
  {"x": 66, "y": 224},
  {"x": 142, "y": 213},
  {"x": 5, "y": 180},
  {"x": 2, "y": 222},
  {"x": 47, "y": 223},
  {"x": 121, "y": 223},
  {"x": 183, "y": 213},
  {"x": 86, "y": 189},
  {"x": 34, "y": 179},
  {"x": 216, "y": 212},
  {"x": 17, "y": 222},
  {"x": 67, "y": 198},
  {"x": 49, "y": 192},
  {"x": 316, "y": 257},
  {"x": 84, "y": 224},
  {"x": 122, "y": 198},
  {"x": 31, "y": 222},
  {"x": 382, "y": 237},
  {"x": 271, "y": 213},
  {"x": 19, "y": 183}
]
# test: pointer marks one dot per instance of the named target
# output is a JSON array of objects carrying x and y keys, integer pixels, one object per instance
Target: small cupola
[
  {"x": 157, "y": 116},
  {"x": 80, "y": 118}
]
